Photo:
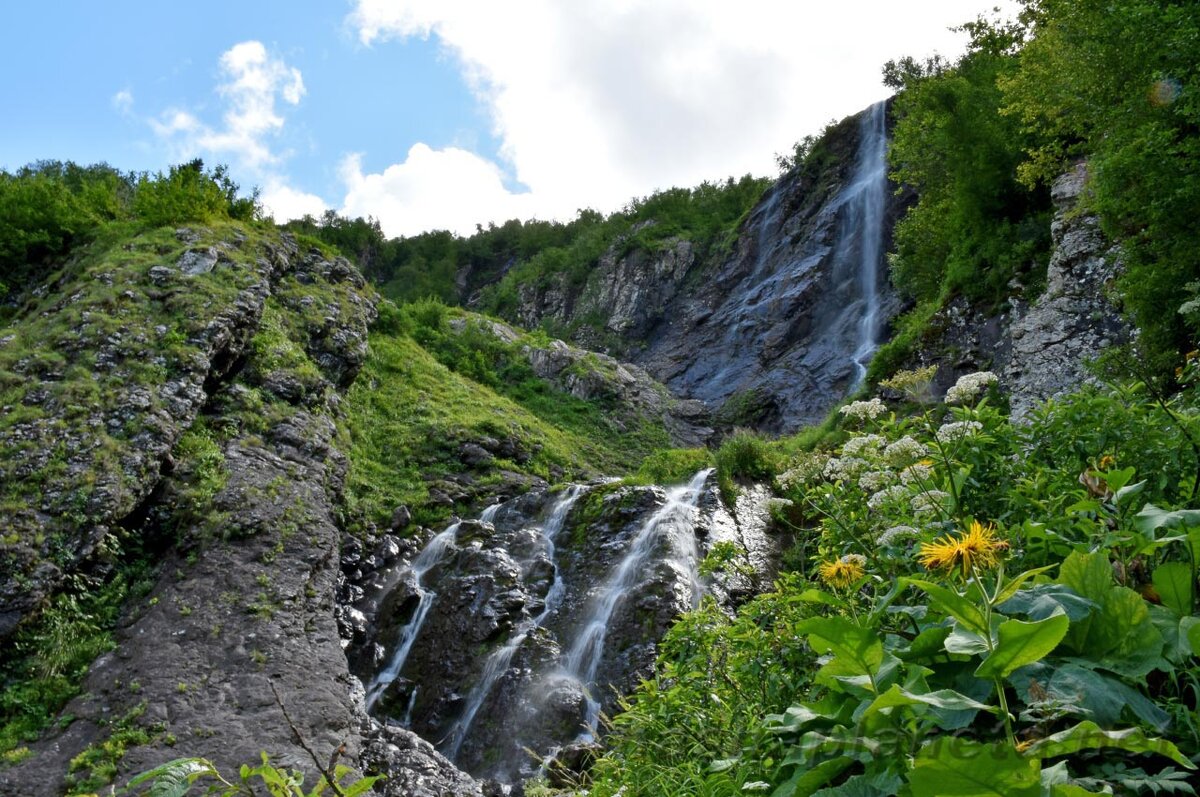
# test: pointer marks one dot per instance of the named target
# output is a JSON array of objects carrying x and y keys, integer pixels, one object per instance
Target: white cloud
[
  {"x": 123, "y": 101},
  {"x": 432, "y": 189},
  {"x": 282, "y": 202},
  {"x": 252, "y": 83},
  {"x": 595, "y": 101}
]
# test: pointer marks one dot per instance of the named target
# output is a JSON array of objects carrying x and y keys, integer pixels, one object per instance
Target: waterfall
[
  {"x": 426, "y": 560},
  {"x": 497, "y": 663},
  {"x": 866, "y": 202},
  {"x": 583, "y": 658}
]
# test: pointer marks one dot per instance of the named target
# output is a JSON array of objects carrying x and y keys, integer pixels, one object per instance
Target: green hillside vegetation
[
  {"x": 426, "y": 265},
  {"x": 426, "y": 390}
]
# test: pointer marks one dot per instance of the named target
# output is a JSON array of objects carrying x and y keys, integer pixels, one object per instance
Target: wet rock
[{"x": 569, "y": 767}]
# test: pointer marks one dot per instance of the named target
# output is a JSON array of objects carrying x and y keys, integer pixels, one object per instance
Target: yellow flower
[
  {"x": 1106, "y": 462},
  {"x": 841, "y": 573},
  {"x": 978, "y": 547}
]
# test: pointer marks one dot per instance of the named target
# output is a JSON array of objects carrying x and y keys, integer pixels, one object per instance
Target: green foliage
[
  {"x": 186, "y": 193},
  {"x": 992, "y": 613},
  {"x": 44, "y": 665},
  {"x": 437, "y": 378},
  {"x": 742, "y": 455},
  {"x": 974, "y": 227},
  {"x": 1120, "y": 86},
  {"x": 176, "y": 779},
  {"x": 672, "y": 466}
]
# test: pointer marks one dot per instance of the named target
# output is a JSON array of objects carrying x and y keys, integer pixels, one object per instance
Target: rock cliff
[{"x": 764, "y": 332}]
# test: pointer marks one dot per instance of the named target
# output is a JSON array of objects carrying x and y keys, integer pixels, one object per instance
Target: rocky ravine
[{"x": 243, "y": 608}]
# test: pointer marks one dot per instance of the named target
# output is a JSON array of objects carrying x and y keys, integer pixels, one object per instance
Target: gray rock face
[
  {"x": 1075, "y": 319},
  {"x": 772, "y": 323}
]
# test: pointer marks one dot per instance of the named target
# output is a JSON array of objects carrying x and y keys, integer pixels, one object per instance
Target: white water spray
[{"x": 866, "y": 202}]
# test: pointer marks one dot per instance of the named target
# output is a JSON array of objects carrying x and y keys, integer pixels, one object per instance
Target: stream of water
[{"x": 426, "y": 560}]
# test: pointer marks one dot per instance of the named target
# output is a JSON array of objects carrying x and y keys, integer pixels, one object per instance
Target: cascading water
[
  {"x": 426, "y": 560},
  {"x": 497, "y": 663},
  {"x": 583, "y": 658},
  {"x": 865, "y": 203}
]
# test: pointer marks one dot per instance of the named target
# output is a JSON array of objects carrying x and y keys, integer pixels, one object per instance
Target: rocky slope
[{"x": 221, "y": 438}]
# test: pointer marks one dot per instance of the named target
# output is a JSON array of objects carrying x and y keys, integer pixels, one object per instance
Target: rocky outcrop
[
  {"x": 235, "y": 650},
  {"x": 1042, "y": 348},
  {"x": 1076, "y": 318}
]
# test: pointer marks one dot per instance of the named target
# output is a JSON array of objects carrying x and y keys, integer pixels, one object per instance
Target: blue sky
[{"x": 447, "y": 113}]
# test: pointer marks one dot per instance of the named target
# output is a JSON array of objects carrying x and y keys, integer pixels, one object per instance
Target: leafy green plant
[{"x": 176, "y": 779}]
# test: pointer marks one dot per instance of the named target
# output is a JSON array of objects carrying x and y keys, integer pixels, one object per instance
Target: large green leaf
[
  {"x": 1120, "y": 635},
  {"x": 1016, "y": 582},
  {"x": 925, "y": 645},
  {"x": 806, "y": 780},
  {"x": 953, "y": 604},
  {"x": 1103, "y": 696},
  {"x": 1194, "y": 639},
  {"x": 946, "y": 699},
  {"x": 1087, "y": 735},
  {"x": 1151, "y": 519},
  {"x": 1174, "y": 583},
  {"x": 1022, "y": 643},
  {"x": 956, "y": 767},
  {"x": 857, "y": 651},
  {"x": 1042, "y": 600}
]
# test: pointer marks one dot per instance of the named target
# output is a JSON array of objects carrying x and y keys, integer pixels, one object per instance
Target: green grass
[{"x": 409, "y": 414}]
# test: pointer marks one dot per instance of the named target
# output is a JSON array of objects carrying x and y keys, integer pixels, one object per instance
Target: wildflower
[
  {"x": 864, "y": 410},
  {"x": 950, "y": 432},
  {"x": 874, "y": 480},
  {"x": 886, "y": 496},
  {"x": 841, "y": 573},
  {"x": 929, "y": 500},
  {"x": 845, "y": 468},
  {"x": 904, "y": 451},
  {"x": 916, "y": 474},
  {"x": 977, "y": 547},
  {"x": 969, "y": 386},
  {"x": 804, "y": 471},
  {"x": 1106, "y": 462},
  {"x": 895, "y": 534},
  {"x": 863, "y": 445},
  {"x": 914, "y": 384}
]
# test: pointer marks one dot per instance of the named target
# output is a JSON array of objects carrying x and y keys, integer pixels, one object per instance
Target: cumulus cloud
[
  {"x": 253, "y": 83},
  {"x": 595, "y": 101},
  {"x": 447, "y": 189}
]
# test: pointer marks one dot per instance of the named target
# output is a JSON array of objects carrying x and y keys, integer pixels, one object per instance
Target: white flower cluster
[
  {"x": 866, "y": 445},
  {"x": 874, "y": 480},
  {"x": 854, "y": 559},
  {"x": 929, "y": 500},
  {"x": 778, "y": 504},
  {"x": 887, "y": 496},
  {"x": 904, "y": 451},
  {"x": 864, "y": 410},
  {"x": 845, "y": 468},
  {"x": 916, "y": 474},
  {"x": 951, "y": 432},
  {"x": 895, "y": 534},
  {"x": 969, "y": 386},
  {"x": 804, "y": 471}
]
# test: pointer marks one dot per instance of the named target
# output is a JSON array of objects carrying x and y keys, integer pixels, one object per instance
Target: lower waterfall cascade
[{"x": 565, "y": 649}]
